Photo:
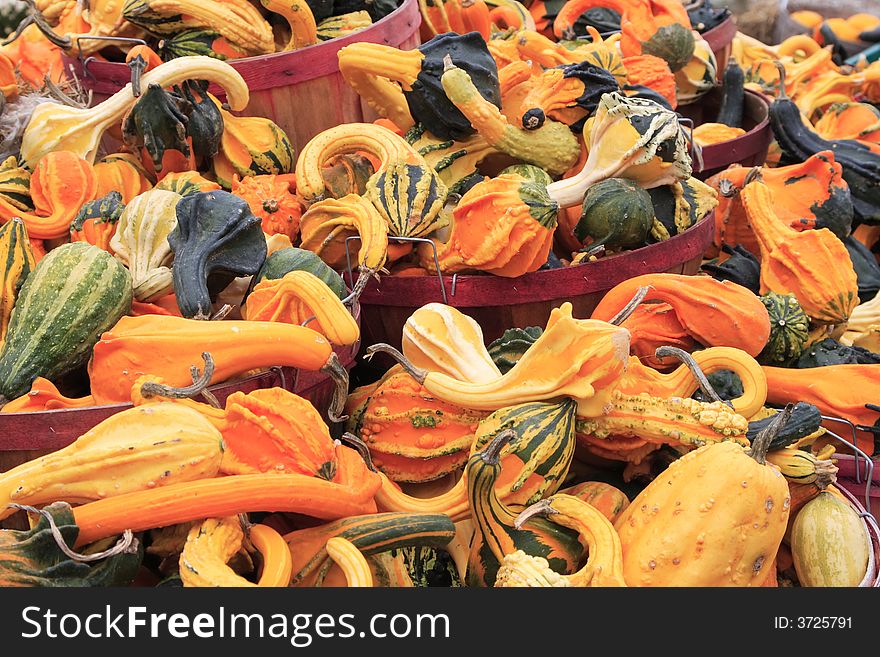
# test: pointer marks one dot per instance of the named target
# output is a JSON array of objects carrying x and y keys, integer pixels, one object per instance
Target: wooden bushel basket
[
  {"x": 720, "y": 40},
  {"x": 749, "y": 150},
  {"x": 499, "y": 303},
  {"x": 302, "y": 91}
]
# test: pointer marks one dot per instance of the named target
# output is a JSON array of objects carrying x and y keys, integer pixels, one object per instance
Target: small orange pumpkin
[{"x": 270, "y": 198}]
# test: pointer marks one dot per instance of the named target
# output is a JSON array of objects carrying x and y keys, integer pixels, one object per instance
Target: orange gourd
[
  {"x": 271, "y": 199},
  {"x": 123, "y": 173},
  {"x": 654, "y": 325},
  {"x": 651, "y": 72}
]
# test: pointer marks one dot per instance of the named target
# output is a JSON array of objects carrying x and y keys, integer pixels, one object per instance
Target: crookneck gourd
[
  {"x": 551, "y": 145},
  {"x": 726, "y": 508},
  {"x": 141, "y": 242},
  {"x": 96, "y": 221},
  {"x": 61, "y": 183},
  {"x": 579, "y": 358},
  {"x": 266, "y": 430},
  {"x": 216, "y": 239},
  {"x": 715, "y": 313},
  {"x": 496, "y": 532},
  {"x": 122, "y": 173},
  {"x": 630, "y": 138},
  {"x": 124, "y": 352},
  {"x": 75, "y": 292},
  {"x": 18, "y": 262},
  {"x": 814, "y": 265},
  {"x": 15, "y": 182},
  {"x": 534, "y": 462},
  {"x": 290, "y": 259},
  {"x": 300, "y": 18},
  {"x": 132, "y": 450},
  {"x": 55, "y": 127},
  {"x": 503, "y": 225},
  {"x": 296, "y": 298},
  {"x": 405, "y": 86},
  {"x": 604, "y": 565},
  {"x": 440, "y": 338}
]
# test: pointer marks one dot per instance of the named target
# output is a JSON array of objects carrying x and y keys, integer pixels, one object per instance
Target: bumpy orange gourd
[
  {"x": 714, "y": 517},
  {"x": 652, "y": 72},
  {"x": 813, "y": 265},
  {"x": 269, "y": 197},
  {"x": 715, "y": 313},
  {"x": 654, "y": 325},
  {"x": 123, "y": 173},
  {"x": 503, "y": 225}
]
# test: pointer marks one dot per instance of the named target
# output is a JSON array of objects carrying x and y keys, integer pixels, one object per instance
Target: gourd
[
  {"x": 711, "y": 519},
  {"x": 205, "y": 42},
  {"x": 352, "y": 562},
  {"x": 75, "y": 292},
  {"x": 551, "y": 146},
  {"x": 327, "y": 225},
  {"x": 510, "y": 347},
  {"x": 300, "y": 18},
  {"x": 454, "y": 161},
  {"x": 270, "y": 198},
  {"x": 789, "y": 328},
  {"x": 496, "y": 533},
  {"x": 251, "y": 146},
  {"x": 732, "y": 96},
  {"x": 655, "y": 325},
  {"x": 604, "y": 566},
  {"x": 297, "y": 297},
  {"x": 346, "y": 173},
  {"x": 18, "y": 262},
  {"x": 698, "y": 76},
  {"x": 631, "y": 138},
  {"x": 61, "y": 183},
  {"x": 33, "y": 558},
  {"x": 805, "y": 420},
  {"x": 831, "y": 352},
  {"x": 808, "y": 195},
  {"x": 216, "y": 238},
  {"x": 568, "y": 94},
  {"x": 405, "y": 86},
  {"x": 44, "y": 396},
  {"x": 413, "y": 437},
  {"x": 15, "y": 183},
  {"x": 382, "y": 144},
  {"x": 343, "y": 24},
  {"x": 740, "y": 267},
  {"x": 290, "y": 259},
  {"x": 580, "y": 359},
  {"x": 141, "y": 243},
  {"x": 351, "y": 493},
  {"x": 866, "y": 267},
  {"x": 186, "y": 183},
  {"x": 135, "y": 449},
  {"x": 850, "y": 120},
  {"x": 209, "y": 546},
  {"x": 53, "y": 127},
  {"x": 605, "y": 498},
  {"x": 649, "y": 71},
  {"x": 410, "y": 197},
  {"x": 616, "y": 214},
  {"x": 237, "y": 20},
  {"x": 861, "y": 167},
  {"x": 707, "y": 134},
  {"x": 813, "y": 265},
  {"x": 371, "y": 534},
  {"x": 156, "y": 128},
  {"x": 715, "y": 313},
  {"x": 829, "y": 543},
  {"x": 534, "y": 463},
  {"x": 97, "y": 220},
  {"x": 266, "y": 430},
  {"x": 802, "y": 467},
  {"x": 503, "y": 225},
  {"x": 441, "y": 338}
]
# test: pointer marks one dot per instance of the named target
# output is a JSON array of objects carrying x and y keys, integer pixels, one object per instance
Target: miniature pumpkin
[{"x": 269, "y": 198}]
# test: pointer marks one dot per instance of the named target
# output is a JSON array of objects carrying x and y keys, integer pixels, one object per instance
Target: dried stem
[
  {"x": 340, "y": 393},
  {"x": 696, "y": 370},
  {"x": 762, "y": 441},
  {"x": 418, "y": 374},
  {"x": 541, "y": 508},
  {"x": 153, "y": 389},
  {"x": 356, "y": 443},
  {"x": 630, "y": 308}
]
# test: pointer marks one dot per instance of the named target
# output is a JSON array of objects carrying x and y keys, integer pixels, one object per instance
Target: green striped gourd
[
  {"x": 198, "y": 41},
  {"x": 529, "y": 172},
  {"x": 509, "y": 348},
  {"x": 371, "y": 534},
  {"x": 291, "y": 259},
  {"x": 15, "y": 184},
  {"x": 75, "y": 293},
  {"x": 495, "y": 533},
  {"x": 337, "y": 26},
  {"x": 18, "y": 261},
  {"x": 410, "y": 197},
  {"x": 789, "y": 329}
]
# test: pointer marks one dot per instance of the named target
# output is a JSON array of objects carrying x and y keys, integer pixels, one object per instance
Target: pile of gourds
[{"x": 206, "y": 249}]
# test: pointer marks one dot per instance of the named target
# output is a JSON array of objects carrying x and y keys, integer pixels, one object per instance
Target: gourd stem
[
  {"x": 361, "y": 447},
  {"x": 540, "y": 508},
  {"x": 153, "y": 389},
  {"x": 64, "y": 43},
  {"x": 491, "y": 454},
  {"x": 727, "y": 189},
  {"x": 340, "y": 393},
  {"x": 752, "y": 176},
  {"x": 127, "y": 544},
  {"x": 418, "y": 374},
  {"x": 762, "y": 441},
  {"x": 366, "y": 273},
  {"x": 696, "y": 370},
  {"x": 22, "y": 26},
  {"x": 630, "y": 308},
  {"x": 783, "y": 95}
]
